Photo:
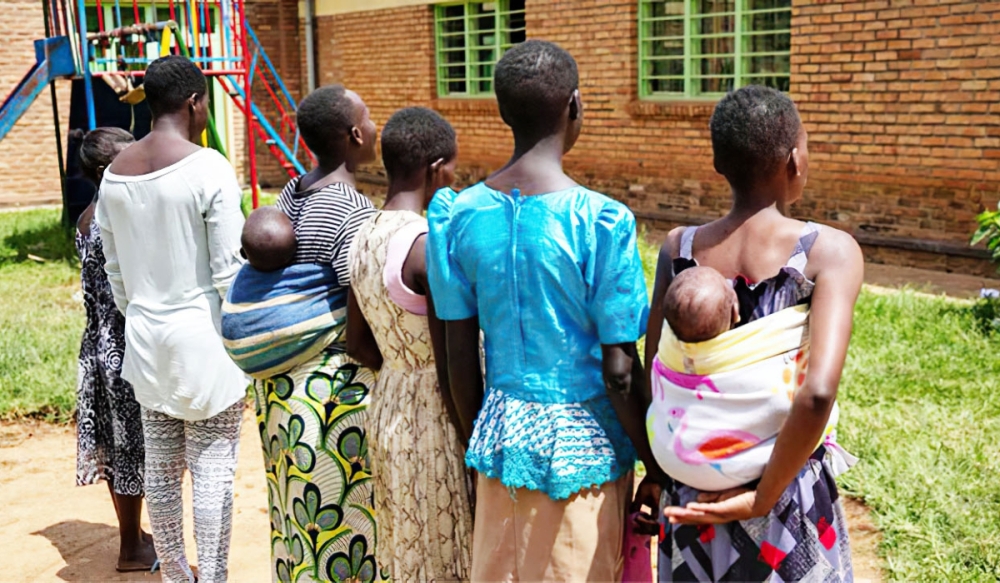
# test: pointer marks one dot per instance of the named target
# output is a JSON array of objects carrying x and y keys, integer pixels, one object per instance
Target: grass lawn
[
  {"x": 41, "y": 316},
  {"x": 921, "y": 408},
  {"x": 920, "y": 401}
]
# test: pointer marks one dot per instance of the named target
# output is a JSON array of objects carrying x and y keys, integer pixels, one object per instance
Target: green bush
[
  {"x": 989, "y": 231},
  {"x": 986, "y": 312}
]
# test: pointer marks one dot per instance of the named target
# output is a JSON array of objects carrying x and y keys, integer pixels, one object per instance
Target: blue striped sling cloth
[{"x": 274, "y": 321}]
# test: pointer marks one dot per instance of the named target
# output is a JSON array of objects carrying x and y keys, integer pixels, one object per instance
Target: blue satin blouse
[{"x": 551, "y": 277}]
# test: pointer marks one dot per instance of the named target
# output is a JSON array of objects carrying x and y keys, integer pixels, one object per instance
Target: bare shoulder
[
  {"x": 127, "y": 161},
  {"x": 835, "y": 251},
  {"x": 83, "y": 223},
  {"x": 671, "y": 245}
]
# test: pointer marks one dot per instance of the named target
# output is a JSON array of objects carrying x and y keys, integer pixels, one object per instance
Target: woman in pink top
[{"x": 421, "y": 495}]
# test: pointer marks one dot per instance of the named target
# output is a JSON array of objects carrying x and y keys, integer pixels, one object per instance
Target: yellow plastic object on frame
[{"x": 165, "y": 40}]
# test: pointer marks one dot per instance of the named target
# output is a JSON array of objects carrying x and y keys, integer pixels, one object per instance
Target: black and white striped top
[{"x": 325, "y": 222}]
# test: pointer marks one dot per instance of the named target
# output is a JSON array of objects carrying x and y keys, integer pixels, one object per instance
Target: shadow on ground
[
  {"x": 50, "y": 242},
  {"x": 90, "y": 551}
]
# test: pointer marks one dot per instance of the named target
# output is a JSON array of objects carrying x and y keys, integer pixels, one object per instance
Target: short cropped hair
[
  {"x": 170, "y": 81},
  {"x": 753, "y": 130},
  {"x": 413, "y": 139},
  {"x": 100, "y": 147},
  {"x": 325, "y": 116},
  {"x": 534, "y": 81}
]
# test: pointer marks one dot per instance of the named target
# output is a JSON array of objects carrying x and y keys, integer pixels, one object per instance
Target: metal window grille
[
  {"x": 470, "y": 37},
  {"x": 705, "y": 48}
]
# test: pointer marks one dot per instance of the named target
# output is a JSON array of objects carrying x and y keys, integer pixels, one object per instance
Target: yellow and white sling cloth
[{"x": 718, "y": 405}]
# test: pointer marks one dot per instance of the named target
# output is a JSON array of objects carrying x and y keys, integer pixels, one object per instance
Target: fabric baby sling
[
  {"x": 718, "y": 405},
  {"x": 274, "y": 321}
]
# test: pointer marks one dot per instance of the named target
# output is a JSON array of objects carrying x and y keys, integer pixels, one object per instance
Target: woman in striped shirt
[{"x": 311, "y": 418}]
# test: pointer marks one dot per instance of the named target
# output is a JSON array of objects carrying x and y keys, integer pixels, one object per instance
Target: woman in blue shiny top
[{"x": 551, "y": 273}]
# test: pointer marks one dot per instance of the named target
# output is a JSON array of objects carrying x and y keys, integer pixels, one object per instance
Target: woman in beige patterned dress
[{"x": 422, "y": 499}]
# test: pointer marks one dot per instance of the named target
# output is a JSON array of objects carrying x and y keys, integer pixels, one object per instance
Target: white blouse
[{"x": 172, "y": 244}]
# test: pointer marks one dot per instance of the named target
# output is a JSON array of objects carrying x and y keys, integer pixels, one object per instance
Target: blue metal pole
[
  {"x": 88, "y": 87},
  {"x": 224, "y": 7},
  {"x": 274, "y": 72},
  {"x": 206, "y": 30},
  {"x": 253, "y": 64},
  {"x": 269, "y": 130},
  {"x": 118, "y": 15}
]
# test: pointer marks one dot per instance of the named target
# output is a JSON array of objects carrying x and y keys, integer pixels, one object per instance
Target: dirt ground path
[{"x": 51, "y": 530}]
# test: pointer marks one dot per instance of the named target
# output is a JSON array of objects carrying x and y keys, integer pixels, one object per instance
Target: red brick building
[
  {"x": 29, "y": 170},
  {"x": 901, "y": 98}
]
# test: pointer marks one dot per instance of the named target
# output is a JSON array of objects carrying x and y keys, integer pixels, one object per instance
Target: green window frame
[
  {"x": 470, "y": 37},
  {"x": 706, "y": 48}
]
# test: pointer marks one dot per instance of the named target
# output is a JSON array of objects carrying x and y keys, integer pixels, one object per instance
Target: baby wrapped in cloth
[
  {"x": 277, "y": 314},
  {"x": 720, "y": 399}
]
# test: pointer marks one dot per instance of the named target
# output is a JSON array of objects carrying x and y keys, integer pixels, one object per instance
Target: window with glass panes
[
  {"x": 705, "y": 48},
  {"x": 470, "y": 38}
]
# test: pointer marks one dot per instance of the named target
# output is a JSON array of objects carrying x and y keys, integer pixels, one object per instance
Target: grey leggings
[{"x": 208, "y": 449}]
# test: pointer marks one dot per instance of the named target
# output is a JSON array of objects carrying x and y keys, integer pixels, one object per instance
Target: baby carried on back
[
  {"x": 720, "y": 399},
  {"x": 278, "y": 315}
]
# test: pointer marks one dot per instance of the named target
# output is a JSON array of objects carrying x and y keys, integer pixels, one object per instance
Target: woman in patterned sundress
[
  {"x": 108, "y": 422},
  {"x": 421, "y": 493},
  {"x": 312, "y": 419},
  {"x": 788, "y": 525}
]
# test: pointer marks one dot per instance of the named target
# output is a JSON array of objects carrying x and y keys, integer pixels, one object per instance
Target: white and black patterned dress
[{"x": 109, "y": 427}]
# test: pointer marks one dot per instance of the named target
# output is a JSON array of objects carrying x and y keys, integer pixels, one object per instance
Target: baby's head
[
  {"x": 700, "y": 304},
  {"x": 268, "y": 239}
]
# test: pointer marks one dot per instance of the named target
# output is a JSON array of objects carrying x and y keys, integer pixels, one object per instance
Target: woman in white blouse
[{"x": 170, "y": 215}]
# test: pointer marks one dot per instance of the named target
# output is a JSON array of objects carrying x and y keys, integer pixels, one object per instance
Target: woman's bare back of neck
[
  {"x": 756, "y": 247},
  {"x": 536, "y": 171},
  {"x": 156, "y": 151}
]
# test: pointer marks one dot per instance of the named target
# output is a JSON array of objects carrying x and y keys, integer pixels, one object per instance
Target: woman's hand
[
  {"x": 648, "y": 495},
  {"x": 717, "y": 508}
]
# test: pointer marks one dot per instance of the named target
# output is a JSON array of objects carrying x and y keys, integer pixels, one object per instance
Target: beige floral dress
[{"x": 424, "y": 516}]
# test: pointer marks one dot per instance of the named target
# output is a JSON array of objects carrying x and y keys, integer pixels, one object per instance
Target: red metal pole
[
  {"x": 135, "y": 15},
  {"x": 100, "y": 16},
  {"x": 247, "y": 74}
]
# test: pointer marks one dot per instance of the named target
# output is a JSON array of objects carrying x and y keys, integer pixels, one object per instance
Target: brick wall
[
  {"x": 29, "y": 171},
  {"x": 902, "y": 101},
  {"x": 900, "y": 98}
]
